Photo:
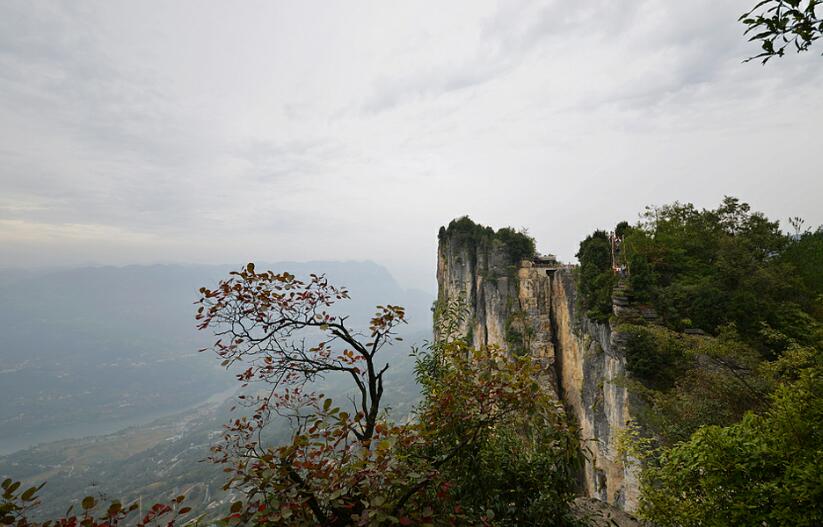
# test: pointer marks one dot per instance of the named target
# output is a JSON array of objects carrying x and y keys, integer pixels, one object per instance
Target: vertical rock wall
[
  {"x": 509, "y": 303},
  {"x": 528, "y": 308},
  {"x": 591, "y": 366},
  {"x": 480, "y": 276}
]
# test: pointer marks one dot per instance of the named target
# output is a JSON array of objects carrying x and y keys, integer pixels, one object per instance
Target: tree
[
  {"x": 17, "y": 503},
  {"x": 708, "y": 268},
  {"x": 763, "y": 470},
  {"x": 688, "y": 381},
  {"x": 355, "y": 466},
  {"x": 781, "y": 24},
  {"x": 518, "y": 459},
  {"x": 595, "y": 278},
  {"x": 340, "y": 467},
  {"x": 728, "y": 275}
]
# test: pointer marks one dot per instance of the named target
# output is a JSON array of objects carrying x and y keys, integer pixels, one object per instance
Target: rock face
[
  {"x": 528, "y": 307},
  {"x": 591, "y": 365},
  {"x": 480, "y": 276},
  {"x": 596, "y": 513},
  {"x": 509, "y": 304}
]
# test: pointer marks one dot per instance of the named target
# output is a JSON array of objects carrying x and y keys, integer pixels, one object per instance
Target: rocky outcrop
[
  {"x": 481, "y": 275},
  {"x": 529, "y": 307},
  {"x": 592, "y": 366},
  {"x": 509, "y": 303},
  {"x": 596, "y": 513}
]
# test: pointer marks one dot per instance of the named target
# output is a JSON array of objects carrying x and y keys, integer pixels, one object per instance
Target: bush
[
  {"x": 519, "y": 467},
  {"x": 519, "y": 245},
  {"x": 764, "y": 470},
  {"x": 654, "y": 356},
  {"x": 595, "y": 277}
]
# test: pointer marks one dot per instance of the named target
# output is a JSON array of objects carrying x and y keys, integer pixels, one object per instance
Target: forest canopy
[
  {"x": 715, "y": 268},
  {"x": 726, "y": 359}
]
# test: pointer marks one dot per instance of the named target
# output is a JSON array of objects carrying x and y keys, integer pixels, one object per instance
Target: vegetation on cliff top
[
  {"x": 728, "y": 364},
  {"x": 711, "y": 269},
  {"x": 519, "y": 245},
  {"x": 595, "y": 278}
]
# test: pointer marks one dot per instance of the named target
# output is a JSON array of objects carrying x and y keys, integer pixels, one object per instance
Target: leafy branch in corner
[{"x": 781, "y": 24}]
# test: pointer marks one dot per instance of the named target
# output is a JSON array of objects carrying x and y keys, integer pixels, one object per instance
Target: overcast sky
[{"x": 141, "y": 132}]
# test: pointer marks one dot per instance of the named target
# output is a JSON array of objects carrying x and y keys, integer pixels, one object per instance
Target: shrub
[
  {"x": 654, "y": 356},
  {"x": 519, "y": 245}
]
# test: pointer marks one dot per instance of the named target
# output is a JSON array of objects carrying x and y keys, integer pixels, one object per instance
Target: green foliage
[
  {"x": 804, "y": 256},
  {"x": 521, "y": 473},
  {"x": 449, "y": 317},
  {"x": 714, "y": 381},
  {"x": 707, "y": 269},
  {"x": 519, "y": 245},
  {"x": 595, "y": 277},
  {"x": 636, "y": 254},
  {"x": 517, "y": 458},
  {"x": 501, "y": 443},
  {"x": 729, "y": 272},
  {"x": 764, "y": 470},
  {"x": 653, "y": 355},
  {"x": 464, "y": 231},
  {"x": 518, "y": 333},
  {"x": 781, "y": 24},
  {"x": 621, "y": 229}
]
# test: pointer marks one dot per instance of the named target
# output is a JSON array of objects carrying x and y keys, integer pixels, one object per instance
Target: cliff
[
  {"x": 527, "y": 305},
  {"x": 508, "y": 299},
  {"x": 591, "y": 365}
]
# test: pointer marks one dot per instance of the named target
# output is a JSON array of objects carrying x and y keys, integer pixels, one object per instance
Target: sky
[{"x": 221, "y": 132}]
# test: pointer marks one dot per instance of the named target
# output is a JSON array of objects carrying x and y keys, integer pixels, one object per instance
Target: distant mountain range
[{"x": 89, "y": 351}]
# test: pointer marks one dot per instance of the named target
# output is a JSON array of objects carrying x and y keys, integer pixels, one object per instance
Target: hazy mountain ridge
[{"x": 92, "y": 350}]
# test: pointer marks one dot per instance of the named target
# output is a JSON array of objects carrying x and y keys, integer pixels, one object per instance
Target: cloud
[
  {"x": 280, "y": 130},
  {"x": 55, "y": 67},
  {"x": 500, "y": 43}
]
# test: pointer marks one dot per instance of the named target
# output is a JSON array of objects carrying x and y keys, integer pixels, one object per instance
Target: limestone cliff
[
  {"x": 508, "y": 300},
  {"x": 527, "y": 306},
  {"x": 591, "y": 366},
  {"x": 480, "y": 275}
]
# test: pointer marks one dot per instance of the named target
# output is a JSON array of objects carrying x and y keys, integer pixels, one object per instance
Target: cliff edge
[{"x": 526, "y": 304}]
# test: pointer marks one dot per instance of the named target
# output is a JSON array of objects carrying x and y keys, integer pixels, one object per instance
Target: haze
[{"x": 203, "y": 132}]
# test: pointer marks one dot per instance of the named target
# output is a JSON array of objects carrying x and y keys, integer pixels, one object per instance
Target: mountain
[{"x": 92, "y": 350}]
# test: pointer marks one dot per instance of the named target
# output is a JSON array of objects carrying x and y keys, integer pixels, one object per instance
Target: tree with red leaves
[
  {"x": 340, "y": 467},
  {"x": 16, "y": 504},
  {"x": 357, "y": 467}
]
